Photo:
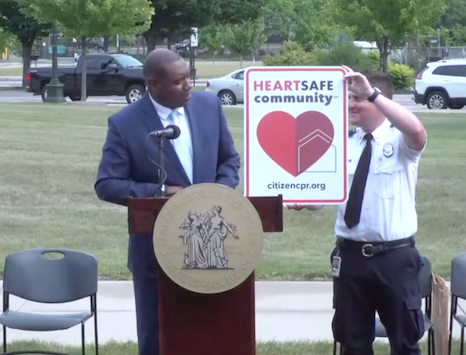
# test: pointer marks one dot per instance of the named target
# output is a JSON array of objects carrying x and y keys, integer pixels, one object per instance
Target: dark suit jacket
[{"x": 125, "y": 169}]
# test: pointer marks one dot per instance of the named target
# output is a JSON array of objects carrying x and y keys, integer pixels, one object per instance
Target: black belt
[{"x": 369, "y": 249}]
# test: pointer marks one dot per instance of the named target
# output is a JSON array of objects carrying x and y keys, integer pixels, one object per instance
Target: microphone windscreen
[{"x": 176, "y": 131}]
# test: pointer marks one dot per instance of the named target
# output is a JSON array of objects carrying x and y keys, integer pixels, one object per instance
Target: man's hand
[
  {"x": 298, "y": 207},
  {"x": 171, "y": 190},
  {"x": 359, "y": 83}
]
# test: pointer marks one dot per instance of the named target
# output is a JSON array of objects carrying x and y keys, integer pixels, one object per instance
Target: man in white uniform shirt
[{"x": 375, "y": 263}]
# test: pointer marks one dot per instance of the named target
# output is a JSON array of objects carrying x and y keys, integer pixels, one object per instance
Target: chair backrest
[
  {"x": 425, "y": 277},
  {"x": 458, "y": 279},
  {"x": 34, "y": 276}
]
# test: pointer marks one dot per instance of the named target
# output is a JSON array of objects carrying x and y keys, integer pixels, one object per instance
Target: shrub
[
  {"x": 346, "y": 53},
  {"x": 292, "y": 54},
  {"x": 401, "y": 76},
  {"x": 374, "y": 56}
]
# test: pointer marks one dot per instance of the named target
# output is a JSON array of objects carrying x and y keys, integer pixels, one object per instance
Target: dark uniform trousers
[{"x": 386, "y": 282}]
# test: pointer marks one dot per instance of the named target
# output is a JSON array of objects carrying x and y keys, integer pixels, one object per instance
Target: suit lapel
[
  {"x": 152, "y": 121},
  {"x": 196, "y": 137}
]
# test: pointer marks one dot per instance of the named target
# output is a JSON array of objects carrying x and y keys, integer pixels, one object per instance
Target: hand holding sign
[{"x": 359, "y": 83}]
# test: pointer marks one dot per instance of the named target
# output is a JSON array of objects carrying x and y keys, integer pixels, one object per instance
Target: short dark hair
[
  {"x": 381, "y": 81},
  {"x": 157, "y": 61}
]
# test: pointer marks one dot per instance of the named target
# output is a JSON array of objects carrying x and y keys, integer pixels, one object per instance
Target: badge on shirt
[
  {"x": 388, "y": 150},
  {"x": 336, "y": 266}
]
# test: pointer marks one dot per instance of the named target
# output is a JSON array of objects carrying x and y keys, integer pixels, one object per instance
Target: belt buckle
[{"x": 363, "y": 250}]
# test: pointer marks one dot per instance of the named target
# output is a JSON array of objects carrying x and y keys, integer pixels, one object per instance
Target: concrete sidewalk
[{"x": 285, "y": 311}]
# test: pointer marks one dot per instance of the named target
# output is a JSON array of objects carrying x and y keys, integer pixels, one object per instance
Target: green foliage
[
  {"x": 213, "y": 37},
  {"x": 457, "y": 35},
  {"x": 246, "y": 36},
  {"x": 14, "y": 21},
  {"x": 93, "y": 18},
  {"x": 455, "y": 13},
  {"x": 178, "y": 16},
  {"x": 346, "y": 53},
  {"x": 292, "y": 54},
  {"x": 313, "y": 27},
  {"x": 374, "y": 57},
  {"x": 234, "y": 12},
  {"x": 401, "y": 75},
  {"x": 388, "y": 23},
  {"x": 279, "y": 17}
]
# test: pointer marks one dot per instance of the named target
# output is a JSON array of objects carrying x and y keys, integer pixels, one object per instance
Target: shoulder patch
[{"x": 351, "y": 132}]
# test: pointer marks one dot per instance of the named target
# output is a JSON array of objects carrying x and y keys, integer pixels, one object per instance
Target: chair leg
[
  {"x": 4, "y": 339},
  {"x": 452, "y": 310},
  {"x": 429, "y": 343},
  {"x": 334, "y": 347},
  {"x": 96, "y": 339},
  {"x": 432, "y": 332},
  {"x": 462, "y": 340},
  {"x": 83, "y": 339}
]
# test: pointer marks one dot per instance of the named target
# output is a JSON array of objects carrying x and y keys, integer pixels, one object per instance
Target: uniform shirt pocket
[{"x": 386, "y": 174}]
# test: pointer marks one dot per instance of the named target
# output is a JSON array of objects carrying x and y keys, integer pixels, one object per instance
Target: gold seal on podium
[{"x": 208, "y": 238}]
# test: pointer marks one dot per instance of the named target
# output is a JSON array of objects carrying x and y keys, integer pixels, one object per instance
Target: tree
[
  {"x": 26, "y": 29},
  {"x": 388, "y": 23},
  {"x": 314, "y": 27},
  {"x": 246, "y": 36},
  {"x": 87, "y": 19},
  {"x": 279, "y": 15},
  {"x": 177, "y": 17},
  {"x": 212, "y": 37},
  {"x": 454, "y": 15},
  {"x": 234, "y": 12}
]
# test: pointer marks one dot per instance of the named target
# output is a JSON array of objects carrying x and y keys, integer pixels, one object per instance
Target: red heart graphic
[{"x": 295, "y": 144}]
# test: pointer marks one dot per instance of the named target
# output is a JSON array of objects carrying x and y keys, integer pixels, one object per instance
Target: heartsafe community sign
[{"x": 296, "y": 131}]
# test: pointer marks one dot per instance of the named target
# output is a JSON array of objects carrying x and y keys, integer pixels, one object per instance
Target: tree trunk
[
  {"x": 83, "y": 69},
  {"x": 105, "y": 43},
  {"x": 26, "y": 49},
  {"x": 151, "y": 38},
  {"x": 385, "y": 53}
]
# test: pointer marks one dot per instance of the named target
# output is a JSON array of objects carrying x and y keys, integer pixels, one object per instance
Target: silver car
[{"x": 229, "y": 88}]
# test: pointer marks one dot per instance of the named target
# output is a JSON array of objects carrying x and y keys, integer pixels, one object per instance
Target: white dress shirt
[
  {"x": 180, "y": 119},
  {"x": 388, "y": 210}
]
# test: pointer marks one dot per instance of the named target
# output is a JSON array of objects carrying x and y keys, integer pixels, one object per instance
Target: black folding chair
[{"x": 33, "y": 276}]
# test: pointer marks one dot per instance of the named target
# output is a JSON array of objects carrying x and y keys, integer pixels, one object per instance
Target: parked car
[
  {"x": 442, "y": 85},
  {"x": 229, "y": 88},
  {"x": 107, "y": 75}
]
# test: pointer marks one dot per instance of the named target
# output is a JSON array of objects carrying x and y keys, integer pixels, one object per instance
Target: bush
[
  {"x": 292, "y": 54},
  {"x": 401, "y": 76},
  {"x": 374, "y": 56},
  {"x": 346, "y": 53}
]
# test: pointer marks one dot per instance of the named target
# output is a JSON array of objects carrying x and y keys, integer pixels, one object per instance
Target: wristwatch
[{"x": 374, "y": 95}]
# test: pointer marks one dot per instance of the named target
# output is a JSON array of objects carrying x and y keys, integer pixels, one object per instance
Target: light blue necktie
[{"x": 181, "y": 145}]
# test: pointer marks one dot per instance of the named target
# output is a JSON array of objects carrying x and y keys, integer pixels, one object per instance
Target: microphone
[{"x": 170, "y": 132}]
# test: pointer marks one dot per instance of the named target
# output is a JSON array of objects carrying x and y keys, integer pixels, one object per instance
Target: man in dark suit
[{"x": 204, "y": 152}]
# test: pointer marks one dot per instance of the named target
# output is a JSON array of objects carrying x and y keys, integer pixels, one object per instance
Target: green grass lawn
[
  {"x": 49, "y": 157},
  {"x": 205, "y": 70},
  {"x": 270, "y": 348}
]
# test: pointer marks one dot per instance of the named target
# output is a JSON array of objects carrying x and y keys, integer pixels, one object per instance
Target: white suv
[{"x": 442, "y": 85}]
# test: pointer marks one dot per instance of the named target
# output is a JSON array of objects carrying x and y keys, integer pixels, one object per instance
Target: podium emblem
[{"x": 208, "y": 238}]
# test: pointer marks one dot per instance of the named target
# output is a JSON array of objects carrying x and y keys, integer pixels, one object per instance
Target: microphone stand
[{"x": 161, "y": 166}]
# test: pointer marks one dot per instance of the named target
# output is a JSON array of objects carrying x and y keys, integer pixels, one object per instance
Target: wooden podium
[{"x": 201, "y": 324}]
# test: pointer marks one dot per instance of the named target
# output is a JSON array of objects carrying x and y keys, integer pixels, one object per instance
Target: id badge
[{"x": 336, "y": 266}]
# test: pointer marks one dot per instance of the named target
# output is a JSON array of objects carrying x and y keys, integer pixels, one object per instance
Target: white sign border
[{"x": 345, "y": 129}]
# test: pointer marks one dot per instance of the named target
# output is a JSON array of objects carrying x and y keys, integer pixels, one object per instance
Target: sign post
[
  {"x": 296, "y": 130},
  {"x": 194, "y": 43}
]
